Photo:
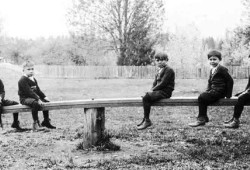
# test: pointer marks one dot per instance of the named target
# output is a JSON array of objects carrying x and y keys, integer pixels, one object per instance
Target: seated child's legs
[
  {"x": 242, "y": 100},
  {"x": 45, "y": 112},
  {"x": 148, "y": 99},
  {"x": 46, "y": 115},
  {"x": 204, "y": 100},
  {"x": 33, "y": 103},
  {"x": 15, "y": 123},
  {"x": 209, "y": 97},
  {"x": 154, "y": 96},
  {"x": 7, "y": 102}
]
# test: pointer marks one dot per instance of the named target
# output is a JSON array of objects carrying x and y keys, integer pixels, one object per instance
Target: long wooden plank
[{"x": 116, "y": 102}]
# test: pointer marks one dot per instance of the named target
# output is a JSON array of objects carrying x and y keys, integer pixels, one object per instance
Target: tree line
[{"x": 126, "y": 32}]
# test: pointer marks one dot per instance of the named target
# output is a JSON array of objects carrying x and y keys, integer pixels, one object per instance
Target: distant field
[
  {"x": 71, "y": 89},
  {"x": 169, "y": 144}
]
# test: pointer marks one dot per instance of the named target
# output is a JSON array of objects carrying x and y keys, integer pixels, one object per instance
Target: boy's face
[
  {"x": 214, "y": 61},
  {"x": 160, "y": 62},
  {"x": 29, "y": 71}
]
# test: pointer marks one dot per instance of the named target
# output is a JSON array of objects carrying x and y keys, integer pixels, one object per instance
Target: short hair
[
  {"x": 161, "y": 56},
  {"x": 28, "y": 63},
  {"x": 214, "y": 53}
]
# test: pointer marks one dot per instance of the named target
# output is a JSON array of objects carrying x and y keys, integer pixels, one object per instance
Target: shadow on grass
[
  {"x": 103, "y": 144},
  {"x": 142, "y": 160},
  {"x": 222, "y": 148},
  {"x": 25, "y": 130}
]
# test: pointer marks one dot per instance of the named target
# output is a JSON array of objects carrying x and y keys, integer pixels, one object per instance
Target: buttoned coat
[
  {"x": 220, "y": 82},
  {"x": 164, "y": 81}
]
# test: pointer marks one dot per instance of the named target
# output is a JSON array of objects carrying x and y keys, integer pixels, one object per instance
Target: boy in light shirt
[{"x": 220, "y": 85}]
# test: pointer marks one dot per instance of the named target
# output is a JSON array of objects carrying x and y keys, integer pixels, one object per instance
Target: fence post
[
  {"x": 94, "y": 125},
  {"x": 199, "y": 72}
]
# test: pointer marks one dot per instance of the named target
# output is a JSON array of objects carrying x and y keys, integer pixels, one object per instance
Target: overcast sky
[
  {"x": 34, "y": 18},
  {"x": 211, "y": 17}
]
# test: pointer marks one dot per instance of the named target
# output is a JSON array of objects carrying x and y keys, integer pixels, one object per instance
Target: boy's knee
[
  {"x": 241, "y": 99},
  {"x": 146, "y": 98},
  {"x": 201, "y": 98},
  {"x": 35, "y": 105},
  {"x": 14, "y": 103}
]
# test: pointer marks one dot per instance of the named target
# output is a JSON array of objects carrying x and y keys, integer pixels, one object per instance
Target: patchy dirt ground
[{"x": 168, "y": 144}]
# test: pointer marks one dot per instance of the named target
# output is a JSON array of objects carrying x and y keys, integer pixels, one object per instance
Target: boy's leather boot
[
  {"x": 143, "y": 120},
  {"x": 16, "y": 125},
  {"x": 200, "y": 121},
  {"x": 145, "y": 124},
  {"x": 229, "y": 121},
  {"x": 46, "y": 123},
  {"x": 36, "y": 125},
  {"x": 234, "y": 123}
]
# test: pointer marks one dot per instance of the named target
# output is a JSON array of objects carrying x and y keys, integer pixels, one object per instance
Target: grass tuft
[
  {"x": 218, "y": 148},
  {"x": 103, "y": 144}
]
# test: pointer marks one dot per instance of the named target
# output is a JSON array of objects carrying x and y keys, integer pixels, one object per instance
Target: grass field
[{"x": 169, "y": 144}]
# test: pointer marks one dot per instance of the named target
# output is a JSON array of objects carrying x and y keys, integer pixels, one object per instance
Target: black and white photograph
[{"x": 124, "y": 84}]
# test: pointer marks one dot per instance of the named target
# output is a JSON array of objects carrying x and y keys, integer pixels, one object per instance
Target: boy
[
  {"x": 31, "y": 95},
  {"x": 5, "y": 102},
  {"x": 243, "y": 98},
  {"x": 220, "y": 85},
  {"x": 163, "y": 86}
]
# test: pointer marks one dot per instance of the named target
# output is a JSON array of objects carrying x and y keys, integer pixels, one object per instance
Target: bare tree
[{"x": 131, "y": 26}]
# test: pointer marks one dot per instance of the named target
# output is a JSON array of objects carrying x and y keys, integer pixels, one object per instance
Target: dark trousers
[
  {"x": 150, "y": 98},
  {"x": 242, "y": 100},
  {"x": 205, "y": 99},
  {"x": 33, "y": 103},
  {"x": 6, "y": 102}
]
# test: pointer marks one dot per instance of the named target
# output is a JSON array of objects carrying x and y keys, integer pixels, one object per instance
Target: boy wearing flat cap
[
  {"x": 243, "y": 98},
  {"x": 163, "y": 86},
  {"x": 220, "y": 85}
]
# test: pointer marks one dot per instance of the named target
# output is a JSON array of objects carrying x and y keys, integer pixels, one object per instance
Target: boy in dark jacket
[
  {"x": 243, "y": 98},
  {"x": 163, "y": 86},
  {"x": 6, "y": 102},
  {"x": 31, "y": 95},
  {"x": 220, "y": 85}
]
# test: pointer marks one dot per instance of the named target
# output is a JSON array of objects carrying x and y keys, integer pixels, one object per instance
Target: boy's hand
[
  {"x": 40, "y": 102},
  {"x": 46, "y": 99},
  {"x": 237, "y": 94},
  {"x": 240, "y": 93}
]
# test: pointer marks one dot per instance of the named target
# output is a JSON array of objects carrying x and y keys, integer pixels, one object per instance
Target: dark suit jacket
[
  {"x": 2, "y": 91},
  {"x": 247, "y": 89},
  {"x": 29, "y": 89},
  {"x": 248, "y": 84},
  {"x": 164, "y": 81},
  {"x": 221, "y": 82}
]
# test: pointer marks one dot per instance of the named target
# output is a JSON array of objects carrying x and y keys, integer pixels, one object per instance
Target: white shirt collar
[
  {"x": 214, "y": 69},
  {"x": 31, "y": 78}
]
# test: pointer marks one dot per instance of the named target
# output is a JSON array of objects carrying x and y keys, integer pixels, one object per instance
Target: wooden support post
[{"x": 94, "y": 125}]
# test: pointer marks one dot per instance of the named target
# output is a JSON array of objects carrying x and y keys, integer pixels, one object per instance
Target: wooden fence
[{"x": 133, "y": 72}]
